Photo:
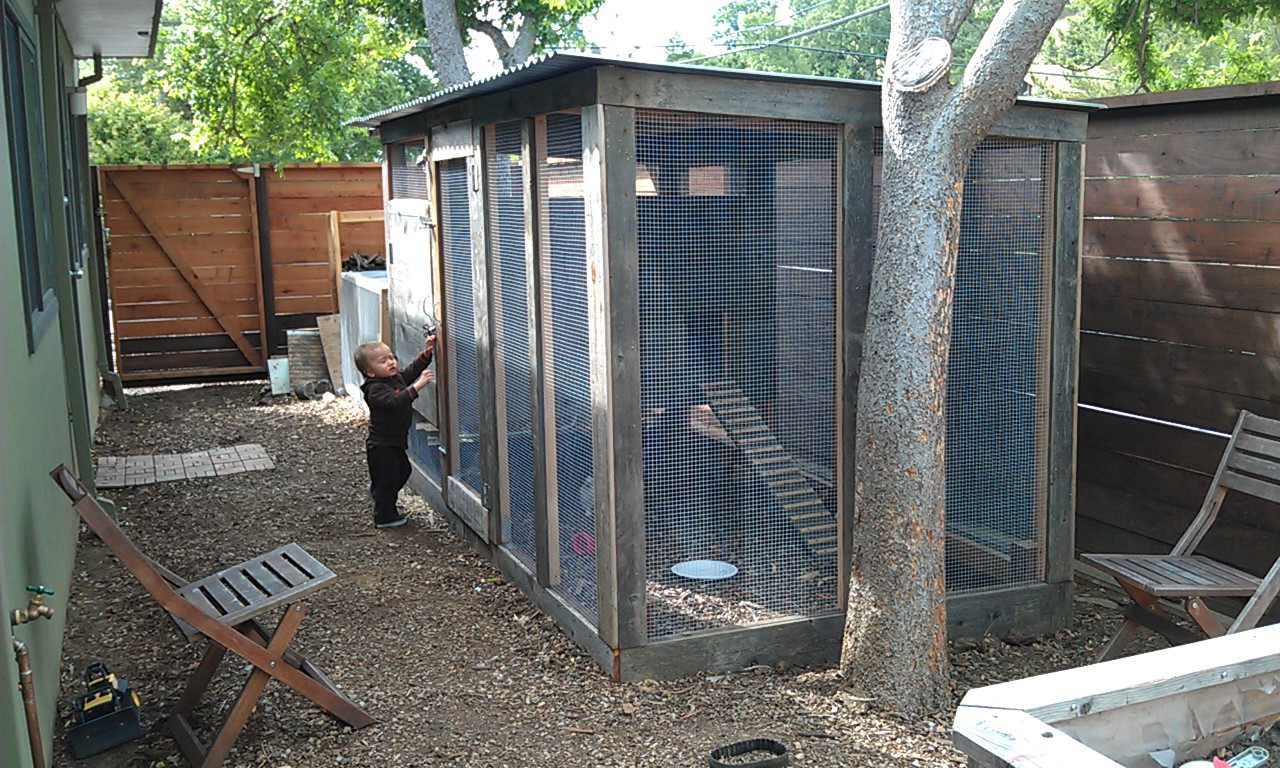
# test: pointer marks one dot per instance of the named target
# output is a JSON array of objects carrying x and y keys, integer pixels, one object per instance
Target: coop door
[
  {"x": 413, "y": 285},
  {"x": 455, "y": 169}
]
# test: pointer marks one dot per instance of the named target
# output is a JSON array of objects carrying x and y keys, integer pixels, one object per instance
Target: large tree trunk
[
  {"x": 445, "y": 36},
  {"x": 895, "y": 631}
]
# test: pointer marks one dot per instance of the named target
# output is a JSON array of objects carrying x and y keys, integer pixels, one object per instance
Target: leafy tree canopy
[
  {"x": 254, "y": 80},
  {"x": 555, "y": 22},
  {"x": 1099, "y": 47}
]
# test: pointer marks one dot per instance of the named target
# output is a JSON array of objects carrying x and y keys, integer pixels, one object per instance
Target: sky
[{"x": 639, "y": 28}]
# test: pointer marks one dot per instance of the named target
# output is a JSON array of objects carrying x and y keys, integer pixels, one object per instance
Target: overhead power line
[{"x": 794, "y": 35}]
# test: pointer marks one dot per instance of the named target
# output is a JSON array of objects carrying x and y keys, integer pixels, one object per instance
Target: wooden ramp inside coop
[{"x": 777, "y": 468}]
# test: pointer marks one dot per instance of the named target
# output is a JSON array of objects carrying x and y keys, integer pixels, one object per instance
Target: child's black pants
[{"x": 388, "y": 471}]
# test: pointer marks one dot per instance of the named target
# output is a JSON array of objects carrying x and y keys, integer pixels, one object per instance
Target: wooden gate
[{"x": 208, "y": 265}]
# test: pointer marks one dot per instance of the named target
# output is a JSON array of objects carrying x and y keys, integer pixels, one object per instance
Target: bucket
[{"x": 278, "y": 372}]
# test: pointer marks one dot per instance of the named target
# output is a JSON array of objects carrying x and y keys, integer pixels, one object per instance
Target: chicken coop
[{"x": 650, "y": 285}]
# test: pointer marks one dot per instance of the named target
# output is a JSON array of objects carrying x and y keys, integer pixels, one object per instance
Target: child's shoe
[{"x": 394, "y": 523}]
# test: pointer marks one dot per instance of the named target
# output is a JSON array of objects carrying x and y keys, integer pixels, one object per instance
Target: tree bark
[
  {"x": 895, "y": 641},
  {"x": 445, "y": 36}
]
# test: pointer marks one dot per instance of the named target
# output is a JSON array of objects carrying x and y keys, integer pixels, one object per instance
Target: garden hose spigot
[{"x": 35, "y": 609}]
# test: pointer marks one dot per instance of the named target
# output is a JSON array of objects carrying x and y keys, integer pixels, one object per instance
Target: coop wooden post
[
  {"x": 609, "y": 181},
  {"x": 857, "y": 238},
  {"x": 1064, "y": 332},
  {"x": 477, "y": 166},
  {"x": 335, "y": 259},
  {"x": 545, "y": 524},
  {"x": 533, "y": 301}
]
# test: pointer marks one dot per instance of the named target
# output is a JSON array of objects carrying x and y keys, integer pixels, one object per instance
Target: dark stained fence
[
  {"x": 1180, "y": 314},
  {"x": 206, "y": 261}
]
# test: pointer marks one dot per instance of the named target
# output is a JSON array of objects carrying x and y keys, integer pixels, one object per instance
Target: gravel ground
[{"x": 458, "y": 668}]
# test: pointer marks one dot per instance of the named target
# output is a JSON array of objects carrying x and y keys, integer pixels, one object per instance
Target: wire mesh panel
[
  {"x": 997, "y": 376},
  {"x": 567, "y": 360},
  {"x": 405, "y": 163},
  {"x": 737, "y": 248},
  {"x": 513, "y": 367},
  {"x": 460, "y": 324}
]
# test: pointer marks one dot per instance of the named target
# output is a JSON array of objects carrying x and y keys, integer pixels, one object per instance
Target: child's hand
[
  {"x": 424, "y": 378},
  {"x": 431, "y": 344}
]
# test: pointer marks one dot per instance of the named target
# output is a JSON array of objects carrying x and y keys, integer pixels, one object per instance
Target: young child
[{"x": 390, "y": 402}]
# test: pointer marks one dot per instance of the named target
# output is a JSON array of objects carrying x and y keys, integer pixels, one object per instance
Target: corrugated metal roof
[{"x": 554, "y": 64}]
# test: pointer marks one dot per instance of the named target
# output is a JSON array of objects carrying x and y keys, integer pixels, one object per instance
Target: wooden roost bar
[{"x": 650, "y": 283}]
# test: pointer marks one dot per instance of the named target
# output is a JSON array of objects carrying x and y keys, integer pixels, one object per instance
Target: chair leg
[
  {"x": 1118, "y": 641},
  {"x": 253, "y": 687},
  {"x": 199, "y": 680},
  {"x": 1200, "y": 613}
]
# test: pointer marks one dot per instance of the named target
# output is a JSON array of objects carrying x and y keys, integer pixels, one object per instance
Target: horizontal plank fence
[
  {"x": 209, "y": 264},
  {"x": 1180, "y": 315}
]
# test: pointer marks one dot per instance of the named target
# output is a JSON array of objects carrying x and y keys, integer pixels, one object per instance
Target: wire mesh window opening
[
  {"x": 513, "y": 367},
  {"x": 460, "y": 325},
  {"x": 406, "y": 165},
  {"x": 738, "y": 253},
  {"x": 997, "y": 376},
  {"x": 567, "y": 357}
]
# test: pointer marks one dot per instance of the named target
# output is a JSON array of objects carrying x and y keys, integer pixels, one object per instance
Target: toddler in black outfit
[{"x": 390, "y": 402}]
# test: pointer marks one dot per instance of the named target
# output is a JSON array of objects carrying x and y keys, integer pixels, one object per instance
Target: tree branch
[
  {"x": 993, "y": 77},
  {"x": 489, "y": 29},
  {"x": 525, "y": 40}
]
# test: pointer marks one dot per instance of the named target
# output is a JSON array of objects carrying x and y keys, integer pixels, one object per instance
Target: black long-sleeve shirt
[{"x": 390, "y": 402}]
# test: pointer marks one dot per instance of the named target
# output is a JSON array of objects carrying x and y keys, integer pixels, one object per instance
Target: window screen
[
  {"x": 567, "y": 356},
  {"x": 460, "y": 323},
  {"x": 511, "y": 335},
  {"x": 406, "y": 165},
  {"x": 737, "y": 248},
  {"x": 997, "y": 375}
]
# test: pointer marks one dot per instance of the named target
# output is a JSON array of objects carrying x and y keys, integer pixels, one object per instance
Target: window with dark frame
[{"x": 27, "y": 157}]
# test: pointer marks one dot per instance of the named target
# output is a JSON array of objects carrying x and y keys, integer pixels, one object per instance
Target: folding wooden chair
[
  {"x": 1251, "y": 465},
  {"x": 224, "y": 608}
]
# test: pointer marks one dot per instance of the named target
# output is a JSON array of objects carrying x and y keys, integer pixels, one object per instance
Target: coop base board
[
  {"x": 1179, "y": 703},
  {"x": 1024, "y": 611}
]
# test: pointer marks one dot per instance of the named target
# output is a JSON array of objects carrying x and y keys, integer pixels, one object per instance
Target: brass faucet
[{"x": 35, "y": 609}]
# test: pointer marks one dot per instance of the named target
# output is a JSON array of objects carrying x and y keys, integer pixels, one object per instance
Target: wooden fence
[
  {"x": 207, "y": 261},
  {"x": 1180, "y": 314}
]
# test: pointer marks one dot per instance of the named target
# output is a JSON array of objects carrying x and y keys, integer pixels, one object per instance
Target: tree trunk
[
  {"x": 895, "y": 634},
  {"x": 445, "y": 36},
  {"x": 895, "y": 638}
]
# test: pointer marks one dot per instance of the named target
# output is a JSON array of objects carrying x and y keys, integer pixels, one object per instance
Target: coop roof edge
[{"x": 558, "y": 63}]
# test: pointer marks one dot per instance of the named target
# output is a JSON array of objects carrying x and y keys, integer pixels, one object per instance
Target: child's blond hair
[{"x": 366, "y": 351}]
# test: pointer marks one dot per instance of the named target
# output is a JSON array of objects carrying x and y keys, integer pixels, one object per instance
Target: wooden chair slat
[
  {"x": 1251, "y": 485},
  {"x": 308, "y": 564},
  {"x": 1251, "y": 422},
  {"x": 287, "y": 572},
  {"x": 1261, "y": 467},
  {"x": 1258, "y": 444}
]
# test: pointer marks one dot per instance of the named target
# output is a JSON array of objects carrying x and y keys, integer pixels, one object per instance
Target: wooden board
[{"x": 331, "y": 340}]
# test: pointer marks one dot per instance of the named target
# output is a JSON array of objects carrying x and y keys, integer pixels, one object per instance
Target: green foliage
[
  {"x": 128, "y": 127},
  {"x": 262, "y": 80},
  {"x": 557, "y": 20},
  {"x": 1104, "y": 47},
  {"x": 275, "y": 80},
  {"x": 1099, "y": 48},
  {"x": 853, "y": 49}
]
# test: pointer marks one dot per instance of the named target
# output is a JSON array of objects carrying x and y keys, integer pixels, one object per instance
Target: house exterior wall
[{"x": 46, "y": 380}]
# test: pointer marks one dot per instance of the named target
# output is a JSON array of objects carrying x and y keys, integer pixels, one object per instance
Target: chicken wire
[
  {"x": 567, "y": 357},
  {"x": 513, "y": 366},
  {"x": 461, "y": 354},
  {"x": 737, "y": 260},
  {"x": 997, "y": 412},
  {"x": 405, "y": 164}
]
